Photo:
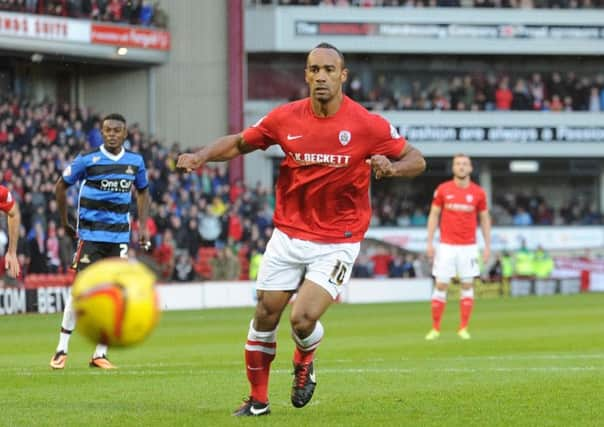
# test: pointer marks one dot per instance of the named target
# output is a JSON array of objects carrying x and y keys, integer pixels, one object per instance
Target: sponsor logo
[
  {"x": 394, "y": 133},
  {"x": 449, "y": 196},
  {"x": 331, "y": 160},
  {"x": 459, "y": 207},
  {"x": 292, "y": 137},
  {"x": 344, "y": 137},
  {"x": 117, "y": 185}
]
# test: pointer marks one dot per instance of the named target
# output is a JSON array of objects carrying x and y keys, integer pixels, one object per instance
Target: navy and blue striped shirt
[{"x": 105, "y": 192}]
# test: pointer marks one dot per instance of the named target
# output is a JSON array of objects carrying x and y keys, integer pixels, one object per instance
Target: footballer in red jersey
[
  {"x": 9, "y": 206},
  {"x": 459, "y": 203},
  {"x": 331, "y": 146}
]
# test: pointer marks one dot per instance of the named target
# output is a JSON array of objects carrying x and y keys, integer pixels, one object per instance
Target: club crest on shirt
[
  {"x": 129, "y": 170},
  {"x": 469, "y": 198},
  {"x": 344, "y": 137}
]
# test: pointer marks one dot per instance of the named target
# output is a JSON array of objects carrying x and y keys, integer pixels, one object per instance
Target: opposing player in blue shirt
[{"x": 106, "y": 176}]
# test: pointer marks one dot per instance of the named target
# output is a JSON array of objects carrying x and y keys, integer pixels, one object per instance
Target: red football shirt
[
  {"x": 6, "y": 199},
  {"x": 460, "y": 207},
  {"x": 322, "y": 193}
]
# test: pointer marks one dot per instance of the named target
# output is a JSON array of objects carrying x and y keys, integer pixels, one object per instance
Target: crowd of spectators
[
  {"x": 395, "y": 207},
  {"x": 381, "y": 261},
  {"x": 483, "y": 92},
  {"x": 194, "y": 218},
  {"x": 523, "y": 4},
  {"x": 133, "y": 12},
  {"x": 533, "y": 209}
]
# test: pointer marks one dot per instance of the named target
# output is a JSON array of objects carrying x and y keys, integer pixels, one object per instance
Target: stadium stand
[
  {"x": 133, "y": 12},
  {"x": 39, "y": 139},
  {"x": 524, "y": 4}
]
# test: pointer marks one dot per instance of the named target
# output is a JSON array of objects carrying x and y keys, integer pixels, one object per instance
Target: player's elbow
[{"x": 419, "y": 165}]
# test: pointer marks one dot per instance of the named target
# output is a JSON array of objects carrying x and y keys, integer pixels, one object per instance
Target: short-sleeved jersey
[
  {"x": 322, "y": 192},
  {"x": 105, "y": 192},
  {"x": 459, "y": 210},
  {"x": 7, "y": 200}
]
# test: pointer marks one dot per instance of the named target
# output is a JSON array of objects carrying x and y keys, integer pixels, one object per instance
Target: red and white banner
[
  {"x": 49, "y": 28},
  {"x": 591, "y": 272},
  {"x": 144, "y": 38},
  {"x": 44, "y": 27}
]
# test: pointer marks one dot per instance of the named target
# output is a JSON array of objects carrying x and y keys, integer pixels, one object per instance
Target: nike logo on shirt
[{"x": 292, "y": 137}]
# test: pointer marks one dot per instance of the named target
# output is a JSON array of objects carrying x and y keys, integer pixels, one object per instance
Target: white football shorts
[
  {"x": 456, "y": 261},
  {"x": 287, "y": 260}
]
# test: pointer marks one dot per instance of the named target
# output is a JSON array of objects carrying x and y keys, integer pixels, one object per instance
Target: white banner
[
  {"x": 44, "y": 27},
  {"x": 198, "y": 295},
  {"x": 502, "y": 238}
]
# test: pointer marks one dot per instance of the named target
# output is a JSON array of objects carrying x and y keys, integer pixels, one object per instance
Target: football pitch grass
[{"x": 533, "y": 361}]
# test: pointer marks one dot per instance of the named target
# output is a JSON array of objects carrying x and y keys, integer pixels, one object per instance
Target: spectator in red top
[
  {"x": 381, "y": 263},
  {"x": 164, "y": 255},
  {"x": 235, "y": 227},
  {"x": 503, "y": 96},
  {"x": 3, "y": 133},
  {"x": 114, "y": 11},
  {"x": 237, "y": 189}
]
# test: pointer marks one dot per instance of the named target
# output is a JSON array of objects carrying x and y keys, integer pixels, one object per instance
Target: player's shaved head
[{"x": 325, "y": 45}]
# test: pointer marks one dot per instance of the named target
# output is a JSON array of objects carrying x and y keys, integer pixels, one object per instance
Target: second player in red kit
[
  {"x": 459, "y": 203},
  {"x": 322, "y": 212}
]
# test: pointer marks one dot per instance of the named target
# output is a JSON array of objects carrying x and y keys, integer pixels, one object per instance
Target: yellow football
[{"x": 115, "y": 302}]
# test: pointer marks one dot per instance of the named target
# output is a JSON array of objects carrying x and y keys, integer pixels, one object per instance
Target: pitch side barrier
[{"x": 201, "y": 295}]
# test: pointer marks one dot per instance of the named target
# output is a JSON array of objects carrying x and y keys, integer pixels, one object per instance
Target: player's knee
[
  {"x": 302, "y": 323},
  {"x": 442, "y": 284}
]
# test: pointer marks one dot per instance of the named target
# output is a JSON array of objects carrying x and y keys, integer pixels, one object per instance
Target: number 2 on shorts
[{"x": 124, "y": 250}]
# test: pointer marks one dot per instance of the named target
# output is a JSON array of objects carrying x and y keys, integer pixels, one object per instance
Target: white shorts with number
[
  {"x": 456, "y": 261},
  {"x": 287, "y": 261}
]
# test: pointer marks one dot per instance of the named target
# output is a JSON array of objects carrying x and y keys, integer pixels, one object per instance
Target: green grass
[{"x": 532, "y": 361}]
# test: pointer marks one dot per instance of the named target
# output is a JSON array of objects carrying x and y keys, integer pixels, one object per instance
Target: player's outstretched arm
[
  {"x": 11, "y": 262},
  {"x": 409, "y": 164},
  {"x": 223, "y": 149},
  {"x": 61, "y": 197}
]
